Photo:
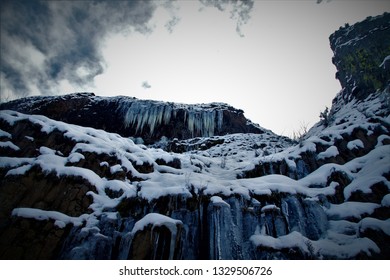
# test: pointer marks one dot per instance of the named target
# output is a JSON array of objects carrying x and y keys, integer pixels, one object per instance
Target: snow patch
[
  {"x": 386, "y": 201},
  {"x": 332, "y": 151},
  {"x": 75, "y": 157},
  {"x": 355, "y": 144},
  {"x": 270, "y": 208},
  {"x": 351, "y": 209},
  {"x": 375, "y": 224},
  {"x": 5, "y": 134},
  {"x": 10, "y": 145},
  {"x": 60, "y": 219},
  {"x": 218, "y": 201}
]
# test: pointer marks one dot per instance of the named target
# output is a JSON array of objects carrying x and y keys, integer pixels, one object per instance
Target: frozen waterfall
[{"x": 201, "y": 119}]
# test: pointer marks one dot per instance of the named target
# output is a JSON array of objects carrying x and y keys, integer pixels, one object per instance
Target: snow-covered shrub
[{"x": 324, "y": 117}]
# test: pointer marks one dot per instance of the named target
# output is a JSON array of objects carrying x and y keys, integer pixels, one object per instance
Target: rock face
[
  {"x": 361, "y": 55},
  {"x": 74, "y": 192},
  {"x": 148, "y": 119}
]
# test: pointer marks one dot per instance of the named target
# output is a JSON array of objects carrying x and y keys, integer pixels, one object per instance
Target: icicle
[
  {"x": 173, "y": 243},
  {"x": 204, "y": 121},
  {"x": 155, "y": 245},
  {"x": 200, "y": 120},
  {"x": 145, "y": 113},
  {"x": 217, "y": 235},
  {"x": 285, "y": 213},
  {"x": 172, "y": 227},
  {"x": 220, "y": 119}
]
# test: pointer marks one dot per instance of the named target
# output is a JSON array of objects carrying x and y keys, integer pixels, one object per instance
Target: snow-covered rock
[{"x": 148, "y": 120}]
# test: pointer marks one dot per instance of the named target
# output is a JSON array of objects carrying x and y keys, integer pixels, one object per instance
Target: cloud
[
  {"x": 240, "y": 10},
  {"x": 45, "y": 44},
  {"x": 146, "y": 85},
  {"x": 173, "y": 9}
]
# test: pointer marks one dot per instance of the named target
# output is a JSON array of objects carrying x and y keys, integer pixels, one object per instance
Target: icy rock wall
[
  {"x": 142, "y": 114},
  {"x": 216, "y": 229}
]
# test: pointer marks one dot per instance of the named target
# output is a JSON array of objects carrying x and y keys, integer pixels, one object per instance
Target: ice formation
[{"x": 200, "y": 119}]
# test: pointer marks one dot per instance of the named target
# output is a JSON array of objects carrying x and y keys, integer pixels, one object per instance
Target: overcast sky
[{"x": 270, "y": 58}]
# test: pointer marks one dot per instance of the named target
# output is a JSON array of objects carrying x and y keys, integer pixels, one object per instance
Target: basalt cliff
[{"x": 89, "y": 177}]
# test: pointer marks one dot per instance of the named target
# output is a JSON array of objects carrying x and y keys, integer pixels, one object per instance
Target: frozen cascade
[
  {"x": 200, "y": 120},
  {"x": 296, "y": 214},
  {"x": 146, "y": 113},
  {"x": 222, "y": 236},
  {"x": 222, "y": 231}
]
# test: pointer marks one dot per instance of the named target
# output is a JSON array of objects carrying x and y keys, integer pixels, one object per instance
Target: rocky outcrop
[
  {"x": 131, "y": 117},
  {"x": 361, "y": 55}
]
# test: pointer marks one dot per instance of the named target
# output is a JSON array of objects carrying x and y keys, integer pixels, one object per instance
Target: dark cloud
[{"x": 44, "y": 43}]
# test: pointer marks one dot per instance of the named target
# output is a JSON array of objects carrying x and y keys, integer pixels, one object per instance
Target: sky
[{"x": 271, "y": 59}]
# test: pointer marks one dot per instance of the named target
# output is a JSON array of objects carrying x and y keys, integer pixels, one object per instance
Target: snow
[
  {"x": 60, "y": 219},
  {"x": 386, "y": 201},
  {"x": 29, "y": 138},
  {"x": 116, "y": 168},
  {"x": 355, "y": 144},
  {"x": 155, "y": 219},
  {"x": 345, "y": 247},
  {"x": 12, "y": 162},
  {"x": 20, "y": 170},
  {"x": 10, "y": 145},
  {"x": 166, "y": 186},
  {"x": 375, "y": 224},
  {"x": 46, "y": 151},
  {"x": 348, "y": 248},
  {"x": 75, "y": 157},
  {"x": 343, "y": 227},
  {"x": 201, "y": 171},
  {"x": 211, "y": 179},
  {"x": 269, "y": 208},
  {"x": 291, "y": 240},
  {"x": 5, "y": 134},
  {"x": 381, "y": 139},
  {"x": 372, "y": 167},
  {"x": 351, "y": 209},
  {"x": 332, "y": 151},
  {"x": 218, "y": 201}
]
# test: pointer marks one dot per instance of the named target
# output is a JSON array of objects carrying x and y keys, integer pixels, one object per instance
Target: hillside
[{"x": 77, "y": 181}]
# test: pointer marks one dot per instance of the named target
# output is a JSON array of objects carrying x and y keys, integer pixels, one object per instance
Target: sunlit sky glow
[{"x": 277, "y": 67}]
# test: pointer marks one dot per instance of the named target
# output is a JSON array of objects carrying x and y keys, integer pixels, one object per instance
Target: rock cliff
[
  {"x": 361, "y": 55},
  {"x": 148, "y": 119},
  {"x": 224, "y": 189}
]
